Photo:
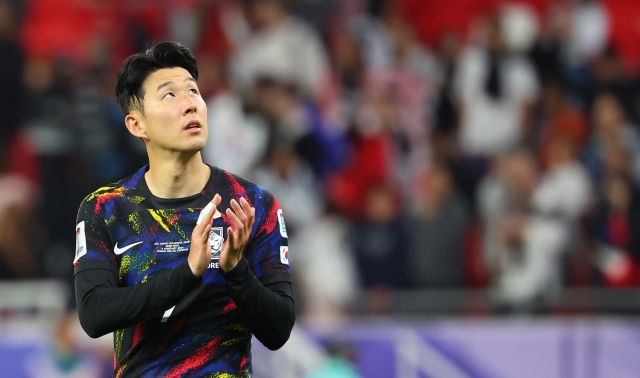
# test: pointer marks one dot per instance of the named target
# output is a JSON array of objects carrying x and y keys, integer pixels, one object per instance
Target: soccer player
[{"x": 182, "y": 261}]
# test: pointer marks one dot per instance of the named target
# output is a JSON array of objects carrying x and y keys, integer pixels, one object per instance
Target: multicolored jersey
[{"x": 124, "y": 229}]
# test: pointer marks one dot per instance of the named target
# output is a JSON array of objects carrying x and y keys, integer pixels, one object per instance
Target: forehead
[{"x": 163, "y": 75}]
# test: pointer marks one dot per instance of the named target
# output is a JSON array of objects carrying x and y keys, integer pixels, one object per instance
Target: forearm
[
  {"x": 269, "y": 310},
  {"x": 104, "y": 307}
]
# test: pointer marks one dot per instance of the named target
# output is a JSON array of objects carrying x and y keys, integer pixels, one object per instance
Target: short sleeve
[
  {"x": 268, "y": 251},
  {"x": 93, "y": 245}
]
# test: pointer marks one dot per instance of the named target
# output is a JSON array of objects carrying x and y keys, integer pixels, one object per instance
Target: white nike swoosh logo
[{"x": 119, "y": 251}]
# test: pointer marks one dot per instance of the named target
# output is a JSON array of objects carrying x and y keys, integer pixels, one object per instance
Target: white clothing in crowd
[
  {"x": 488, "y": 125},
  {"x": 290, "y": 52},
  {"x": 236, "y": 141}
]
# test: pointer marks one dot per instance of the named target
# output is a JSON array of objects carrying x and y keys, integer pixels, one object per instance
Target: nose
[{"x": 189, "y": 106}]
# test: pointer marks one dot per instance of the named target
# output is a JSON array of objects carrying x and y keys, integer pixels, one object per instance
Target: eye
[
  {"x": 169, "y": 94},
  {"x": 193, "y": 91}
]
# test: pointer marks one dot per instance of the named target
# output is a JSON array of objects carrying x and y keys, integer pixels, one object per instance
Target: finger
[
  {"x": 204, "y": 212},
  {"x": 232, "y": 239},
  {"x": 235, "y": 220},
  {"x": 245, "y": 204},
  {"x": 205, "y": 235},
  {"x": 252, "y": 217},
  {"x": 231, "y": 236},
  {"x": 239, "y": 212},
  {"x": 210, "y": 215},
  {"x": 206, "y": 215},
  {"x": 246, "y": 209}
]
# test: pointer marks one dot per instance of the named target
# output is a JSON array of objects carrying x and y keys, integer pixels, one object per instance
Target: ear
[{"x": 135, "y": 124}]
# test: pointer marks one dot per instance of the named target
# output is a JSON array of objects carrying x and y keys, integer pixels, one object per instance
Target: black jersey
[{"x": 168, "y": 323}]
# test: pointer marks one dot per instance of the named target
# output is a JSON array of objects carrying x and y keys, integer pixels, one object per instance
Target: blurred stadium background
[{"x": 459, "y": 178}]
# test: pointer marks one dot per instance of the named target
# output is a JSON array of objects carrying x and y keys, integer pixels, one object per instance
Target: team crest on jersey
[{"x": 216, "y": 239}]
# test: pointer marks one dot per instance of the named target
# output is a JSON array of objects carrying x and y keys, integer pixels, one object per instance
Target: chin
[{"x": 193, "y": 147}]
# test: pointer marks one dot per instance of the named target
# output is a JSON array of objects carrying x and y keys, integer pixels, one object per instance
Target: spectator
[
  {"x": 349, "y": 73},
  {"x": 589, "y": 30},
  {"x": 536, "y": 236},
  {"x": 495, "y": 93},
  {"x": 316, "y": 13},
  {"x": 437, "y": 233},
  {"x": 400, "y": 76},
  {"x": 396, "y": 103},
  {"x": 565, "y": 188},
  {"x": 548, "y": 53},
  {"x": 389, "y": 42},
  {"x": 20, "y": 232},
  {"x": 293, "y": 182},
  {"x": 381, "y": 240},
  {"x": 558, "y": 119},
  {"x": 282, "y": 48},
  {"x": 325, "y": 268},
  {"x": 507, "y": 189},
  {"x": 300, "y": 122},
  {"x": 11, "y": 74},
  {"x": 383, "y": 148},
  {"x": 238, "y": 137},
  {"x": 526, "y": 243},
  {"x": 610, "y": 225},
  {"x": 446, "y": 118},
  {"x": 611, "y": 132},
  {"x": 608, "y": 74}
]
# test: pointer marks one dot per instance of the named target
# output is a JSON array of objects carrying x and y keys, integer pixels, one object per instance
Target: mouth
[{"x": 193, "y": 125}]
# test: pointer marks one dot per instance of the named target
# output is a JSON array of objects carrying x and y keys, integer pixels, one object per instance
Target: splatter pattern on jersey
[{"x": 139, "y": 235}]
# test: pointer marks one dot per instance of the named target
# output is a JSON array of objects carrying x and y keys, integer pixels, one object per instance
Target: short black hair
[{"x": 137, "y": 67}]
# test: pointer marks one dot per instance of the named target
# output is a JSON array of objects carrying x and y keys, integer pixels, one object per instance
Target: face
[
  {"x": 607, "y": 114},
  {"x": 439, "y": 184},
  {"x": 263, "y": 13},
  {"x": 495, "y": 39},
  {"x": 552, "y": 98},
  {"x": 521, "y": 173},
  {"x": 379, "y": 205},
  {"x": 175, "y": 115}
]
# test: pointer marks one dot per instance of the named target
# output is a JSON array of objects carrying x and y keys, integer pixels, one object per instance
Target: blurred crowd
[{"x": 411, "y": 144}]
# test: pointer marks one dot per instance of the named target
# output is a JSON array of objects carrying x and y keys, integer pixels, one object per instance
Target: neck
[{"x": 176, "y": 176}]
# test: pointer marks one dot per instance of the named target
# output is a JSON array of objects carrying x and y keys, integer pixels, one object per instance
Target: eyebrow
[{"x": 171, "y": 82}]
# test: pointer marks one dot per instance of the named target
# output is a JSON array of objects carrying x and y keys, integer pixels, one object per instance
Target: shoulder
[
  {"x": 121, "y": 190},
  {"x": 240, "y": 187},
  {"x": 268, "y": 211}
]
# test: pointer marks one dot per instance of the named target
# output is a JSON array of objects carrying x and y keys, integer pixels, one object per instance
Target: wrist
[
  {"x": 187, "y": 273},
  {"x": 230, "y": 264},
  {"x": 194, "y": 269},
  {"x": 238, "y": 272}
]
